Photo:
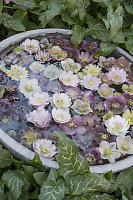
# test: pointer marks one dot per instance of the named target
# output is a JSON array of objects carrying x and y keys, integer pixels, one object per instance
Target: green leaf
[
  {"x": 30, "y": 4},
  {"x": 66, "y": 17},
  {"x": 36, "y": 160},
  {"x": 107, "y": 48},
  {"x": 115, "y": 19},
  {"x": 129, "y": 44},
  {"x": 69, "y": 159},
  {"x": 94, "y": 196},
  {"x": 56, "y": 22},
  {"x": 14, "y": 181},
  {"x": 43, "y": 5},
  {"x": 22, "y": 16},
  {"x": 5, "y": 158},
  {"x": 129, "y": 6},
  {"x": 108, "y": 175},
  {"x": 4, "y": 16},
  {"x": 52, "y": 189},
  {"x": 106, "y": 2},
  {"x": 96, "y": 28},
  {"x": 2, "y": 191},
  {"x": 89, "y": 183},
  {"x": 14, "y": 24},
  {"x": 78, "y": 33},
  {"x": 81, "y": 6},
  {"x": 116, "y": 3},
  {"x": 119, "y": 37},
  {"x": 40, "y": 177},
  {"x": 1, "y": 6},
  {"x": 125, "y": 181}
]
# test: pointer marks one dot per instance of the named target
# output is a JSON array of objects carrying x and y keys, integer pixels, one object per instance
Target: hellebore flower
[
  {"x": 36, "y": 67},
  {"x": 81, "y": 107},
  {"x": 125, "y": 145},
  {"x": 109, "y": 151},
  {"x": 44, "y": 148},
  {"x": 93, "y": 70},
  {"x": 61, "y": 100},
  {"x": 129, "y": 99},
  {"x": 121, "y": 63},
  {"x": 70, "y": 65},
  {"x": 39, "y": 99},
  {"x": 31, "y": 46},
  {"x": 42, "y": 56},
  {"x": 90, "y": 82},
  {"x": 69, "y": 79},
  {"x": 85, "y": 58},
  {"x": 73, "y": 92},
  {"x": 117, "y": 76},
  {"x": 105, "y": 91},
  {"x": 61, "y": 115},
  {"x": 115, "y": 104},
  {"x": 117, "y": 125},
  {"x": 52, "y": 72},
  {"x": 57, "y": 53}
]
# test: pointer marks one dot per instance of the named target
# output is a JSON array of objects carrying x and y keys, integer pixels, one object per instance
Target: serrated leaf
[
  {"x": 4, "y": 16},
  {"x": 119, "y": 38},
  {"x": 40, "y": 177},
  {"x": 14, "y": 24},
  {"x": 5, "y": 158},
  {"x": 30, "y": 4},
  {"x": 78, "y": 34},
  {"x": 14, "y": 181},
  {"x": 129, "y": 44},
  {"x": 66, "y": 17},
  {"x": 52, "y": 191},
  {"x": 129, "y": 6},
  {"x": 85, "y": 183},
  {"x": 69, "y": 159},
  {"x": 81, "y": 6},
  {"x": 22, "y": 16},
  {"x": 107, "y": 48}
]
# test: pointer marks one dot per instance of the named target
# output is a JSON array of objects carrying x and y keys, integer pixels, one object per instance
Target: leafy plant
[
  {"x": 72, "y": 181},
  {"x": 110, "y": 21}
]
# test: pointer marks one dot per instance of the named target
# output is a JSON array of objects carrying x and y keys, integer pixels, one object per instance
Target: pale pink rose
[{"x": 39, "y": 117}]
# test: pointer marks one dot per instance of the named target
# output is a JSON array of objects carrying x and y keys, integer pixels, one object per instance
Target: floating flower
[
  {"x": 69, "y": 79},
  {"x": 52, "y": 72},
  {"x": 29, "y": 86},
  {"x": 90, "y": 121},
  {"x": 73, "y": 92},
  {"x": 99, "y": 108},
  {"x": 117, "y": 125},
  {"x": 108, "y": 116},
  {"x": 128, "y": 115},
  {"x": 57, "y": 53},
  {"x": 104, "y": 79},
  {"x": 61, "y": 42},
  {"x": 39, "y": 117},
  {"x": 105, "y": 91},
  {"x": 45, "y": 44},
  {"x": 125, "y": 145},
  {"x": 115, "y": 104},
  {"x": 31, "y": 46},
  {"x": 26, "y": 59},
  {"x": 81, "y": 107},
  {"x": 85, "y": 58},
  {"x": 39, "y": 99},
  {"x": 61, "y": 115},
  {"x": 61, "y": 100},
  {"x": 42, "y": 56},
  {"x": 93, "y": 156},
  {"x": 74, "y": 126},
  {"x": 90, "y": 47},
  {"x": 128, "y": 88},
  {"x": 121, "y": 63},
  {"x": 90, "y": 82},
  {"x": 130, "y": 77},
  {"x": 28, "y": 137},
  {"x": 109, "y": 151},
  {"x": 37, "y": 67},
  {"x": 70, "y": 65},
  {"x": 54, "y": 86},
  {"x": 84, "y": 140},
  {"x": 105, "y": 62},
  {"x": 87, "y": 96},
  {"x": 2, "y": 91},
  {"x": 129, "y": 100},
  {"x": 17, "y": 72},
  {"x": 44, "y": 148},
  {"x": 117, "y": 76},
  {"x": 93, "y": 70}
]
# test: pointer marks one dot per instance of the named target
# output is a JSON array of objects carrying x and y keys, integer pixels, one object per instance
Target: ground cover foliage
[
  {"x": 72, "y": 181},
  {"x": 110, "y": 21}
]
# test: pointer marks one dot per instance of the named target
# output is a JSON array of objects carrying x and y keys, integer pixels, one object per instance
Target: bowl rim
[{"x": 23, "y": 152}]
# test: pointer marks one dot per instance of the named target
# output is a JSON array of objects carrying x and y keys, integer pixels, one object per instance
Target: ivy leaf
[
  {"x": 106, "y": 2},
  {"x": 2, "y": 191},
  {"x": 89, "y": 183},
  {"x": 30, "y": 4},
  {"x": 52, "y": 188},
  {"x": 92, "y": 196},
  {"x": 129, "y": 44},
  {"x": 40, "y": 177},
  {"x": 78, "y": 33},
  {"x": 14, "y": 24},
  {"x": 69, "y": 159},
  {"x": 129, "y": 6},
  {"x": 5, "y": 158},
  {"x": 14, "y": 181},
  {"x": 107, "y": 48}
]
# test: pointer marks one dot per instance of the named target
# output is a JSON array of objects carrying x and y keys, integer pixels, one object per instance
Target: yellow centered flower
[
  {"x": 43, "y": 150},
  {"x": 117, "y": 126},
  {"x": 107, "y": 152},
  {"x": 125, "y": 147},
  {"x": 40, "y": 100},
  {"x": 29, "y": 88},
  {"x": 72, "y": 125}
]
